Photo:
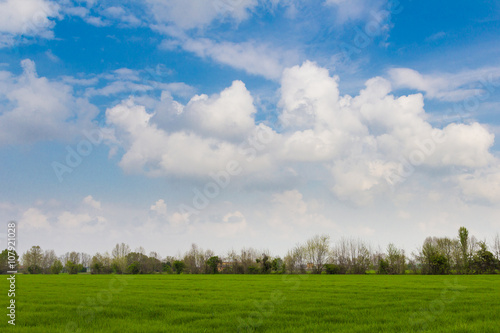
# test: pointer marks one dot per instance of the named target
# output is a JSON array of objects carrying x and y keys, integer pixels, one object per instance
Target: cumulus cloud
[
  {"x": 28, "y": 18},
  {"x": 33, "y": 218},
  {"x": 160, "y": 207},
  {"x": 39, "y": 109},
  {"x": 201, "y": 137},
  {"x": 365, "y": 143}
]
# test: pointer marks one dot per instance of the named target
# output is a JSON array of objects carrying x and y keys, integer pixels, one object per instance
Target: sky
[{"x": 248, "y": 123}]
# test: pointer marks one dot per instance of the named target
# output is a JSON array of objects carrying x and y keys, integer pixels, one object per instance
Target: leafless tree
[
  {"x": 119, "y": 254},
  {"x": 316, "y": 251}
]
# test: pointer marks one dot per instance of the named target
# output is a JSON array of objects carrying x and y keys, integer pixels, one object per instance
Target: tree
[
  {"x": 332, "y": 269},
  {"x": 4, "y": 261},
  {"x": 496, "y": 247},
  {"x": 396, "y": 260},
  {"x": 56, "y": 267},
  {"x": 463, "y": 237},
  {"x": 119, "y": 254},
  {"x": 277, "y": 265},
  {"x": 383, "y": 266},
  {"x": 295, "y": 260},
  {"x": 483, "y": 261},
  {"x": 134, "y": 268},
  {"x": 33, "y": 260},
  {"x": 265, "y": 263},
  {"x": 71, "y": 267},
  {"x": 213, "y": 263},
  {"x": 179, "y": 266},
  {"x": 317, "y": 249},
  {"x": 49, "y": 257}
]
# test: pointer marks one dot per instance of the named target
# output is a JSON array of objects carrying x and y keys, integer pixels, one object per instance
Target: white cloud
[
  {"x": 90, "y": 201},
  {"x": 38, "y": 109},
  {"x": 160, "y": 207},
  {"x": 232, "y": 224},
  {"x": 34, "y": 219},
  {"x": 289, "y": 210},
  {"x": 448, "y": 87},
  {"x": 201, "y": 137},
  {"x": 360, "y": 142},
  {"x": 481, "y": 185},
  {"x": 85, "y": 222},
  {"x": 188, "y": 14},
  {"x": 354, "y": 9},
  {"x": 28, "y": 18},
  {"x": 228, "y": 115},
  {"x": 252, "y": 57}
]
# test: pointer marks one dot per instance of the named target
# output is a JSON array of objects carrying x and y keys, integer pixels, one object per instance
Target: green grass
[{"x": 260, "y": 303}]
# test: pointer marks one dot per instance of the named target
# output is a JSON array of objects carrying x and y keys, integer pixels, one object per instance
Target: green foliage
[
  {"x": 332, "y": 269},
  {"x": 213, "y": 264},
  {"x": 439, "y": 264},
  {"x": 253, "y": 269},
  {"x": 179, "y": 266},
  {"x": 35, "y": 269},
  {"x": 71, "y": 268},
  {"x": 265, "y": 264},
  {"x": 277, "y": 265},
  {"x": 134, "y": 268},
  {"x": 483, "y": 261},
  {"x": 4, "y": 261},
  {"x": 383, "y": 267},
  {"x": 56, "y": 267}
]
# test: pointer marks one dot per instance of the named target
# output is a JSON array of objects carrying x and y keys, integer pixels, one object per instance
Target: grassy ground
[{"x": 260, "y": 303}]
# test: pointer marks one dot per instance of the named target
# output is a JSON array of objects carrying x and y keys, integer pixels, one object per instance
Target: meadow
[{"x": 254, "y": 303}]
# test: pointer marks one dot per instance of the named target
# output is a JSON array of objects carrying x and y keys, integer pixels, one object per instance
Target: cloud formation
[
  {"x": 366, "y": 143},
  {"x": 28, "y": 17},
  {"x": 39, "y": 109}
]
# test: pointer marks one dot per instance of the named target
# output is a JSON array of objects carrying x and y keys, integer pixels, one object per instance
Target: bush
[
  {"x": 34, "y": 269},
  {"x": 56, "y": 267},
  {"x": 179, "y": 266},
  {"x": 253, "y": 270},
  {"x": 383, "y": 267},
  {"x": 332, "y": 269},
  {"x": 134, "y": 268}
]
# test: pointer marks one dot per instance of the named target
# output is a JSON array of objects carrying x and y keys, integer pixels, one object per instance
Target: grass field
[{"x": 261, "y": 303}]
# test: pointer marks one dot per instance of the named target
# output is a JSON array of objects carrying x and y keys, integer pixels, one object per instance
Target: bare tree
[
  {"x": 496, "y": 246},
  {"x": 316, "y": 250},
  {"x": 49, "y": 257},
  {"x": 396, "y": 259},
  {"x": 119, "y": 254}
]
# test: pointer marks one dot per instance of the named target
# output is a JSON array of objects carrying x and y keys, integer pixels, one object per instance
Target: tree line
[{"x": 462, "y": 254}]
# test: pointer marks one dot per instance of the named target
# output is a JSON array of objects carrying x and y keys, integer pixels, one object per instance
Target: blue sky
[{"x": 370, "y": 119}]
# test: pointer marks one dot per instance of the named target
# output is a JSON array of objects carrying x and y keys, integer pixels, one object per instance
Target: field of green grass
[{"x": 254, "y": 303}]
